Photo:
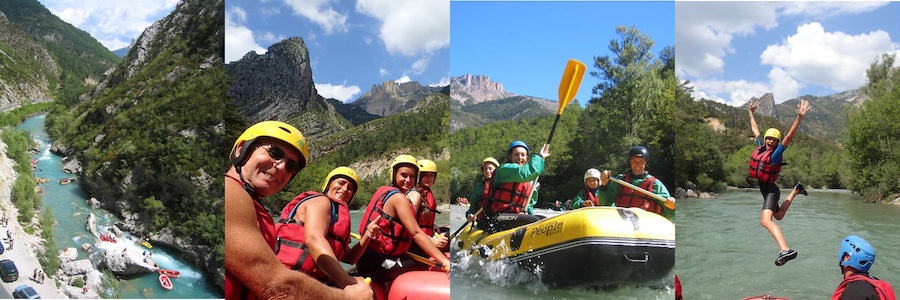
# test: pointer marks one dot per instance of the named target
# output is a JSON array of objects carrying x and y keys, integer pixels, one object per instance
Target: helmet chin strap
[{"x": 247, "y": 187}]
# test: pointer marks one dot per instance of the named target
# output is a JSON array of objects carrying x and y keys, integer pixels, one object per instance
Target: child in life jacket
[
  {"x": 589, "y": 195},
  {"x": 426, "y": 206},
  {"x": 765, "y": 164},
  {"x": 384, "y": 259},
  {"x": 483, "y": 188},
  {"x": 313, "y": 234}
]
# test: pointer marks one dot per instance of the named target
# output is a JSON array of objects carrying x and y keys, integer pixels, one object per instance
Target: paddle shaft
[
  {"x": 464, "y": 225},
  {"x": 642, "y": 191},
  {"x": 414, "y": 257}
]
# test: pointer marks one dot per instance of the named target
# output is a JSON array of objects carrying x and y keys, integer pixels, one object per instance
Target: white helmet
[{"x": 592, "y": 173}]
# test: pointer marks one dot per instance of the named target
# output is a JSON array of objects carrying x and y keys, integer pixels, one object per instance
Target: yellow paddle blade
[{"x": 570, "y": 82}]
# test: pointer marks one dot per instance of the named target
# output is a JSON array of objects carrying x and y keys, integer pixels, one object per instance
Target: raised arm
[
  {"x": 752, "y": 107},
  {"x": 802, "y": 109}
]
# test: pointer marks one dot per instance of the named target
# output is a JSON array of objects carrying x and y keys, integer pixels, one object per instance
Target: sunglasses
[{"x": 278, "y": 155}]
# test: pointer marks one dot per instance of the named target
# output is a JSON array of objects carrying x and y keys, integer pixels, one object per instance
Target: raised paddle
[
  {"x": 568, "y": 87},
  {"x": 417, "y": 258},
  {"x": 670, "y": 205}
]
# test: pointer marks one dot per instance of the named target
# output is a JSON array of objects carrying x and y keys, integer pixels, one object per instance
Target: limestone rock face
[
  {"x": 78, "y": 267},
  {"x": 766, "y": 105},
  {"x": 68, "y": 254},
  {"x": 470, "y": 89}
]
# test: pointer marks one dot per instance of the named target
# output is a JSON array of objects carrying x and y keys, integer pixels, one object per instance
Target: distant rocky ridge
[
  {"x": 766, "y": 105},
  {"x": 25, "y": 69},
  {"x": 472, "y": 89},
  {"x": 391, "y": 97},
  {"x": 825, "y": 119},
  {"x": 278, "y": 85}
]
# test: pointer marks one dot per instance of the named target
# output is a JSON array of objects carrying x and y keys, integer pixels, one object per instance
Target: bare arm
[
  {"x": 802, "y": 109},
  {"x": 752, "y": 107},
  {"x": 416, "y": 199},
  {"x": 372, "y": 232},
  {"x": 316, "y": 216},
  {"x": 407, "y": 217},
  {"x": 249, "y": 258}
]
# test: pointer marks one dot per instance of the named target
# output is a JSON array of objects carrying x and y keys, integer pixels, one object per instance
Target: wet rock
[
  {"x": 77, "y": 267},
  {"x": 123, "y": 263},
  {"x": 706, "y": 195},
  {"x": 692, "y": 193},
  {"x": 67, "y": 255},
  {"x": 93, "y": 203},
  {"x": 679, "y": 193}
]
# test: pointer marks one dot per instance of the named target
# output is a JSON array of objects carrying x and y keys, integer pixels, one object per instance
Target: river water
[
  {"x": 71, "y": 212},
  {"x": 724, "y": 253},
  {"x": 473, "y": 279}
]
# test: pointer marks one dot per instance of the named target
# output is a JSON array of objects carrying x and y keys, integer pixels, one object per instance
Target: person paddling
[
  {"x": 765, "y": 164},
  {"x": 637, "y": 175},
  {"x": 313, "y": 234},
  {"x": 264, "y": 158},
  {"x": 394, "y": 213},
  {"x": 855, "y": 259}
]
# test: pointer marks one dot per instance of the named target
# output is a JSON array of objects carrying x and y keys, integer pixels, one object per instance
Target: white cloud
[
  {"x": 704, "y": 30},
  {"x": 445, "y": 81},
  {"x": 410, "y": 27},
  {"x": 238, "y": 38},
  {"x": 112, "y": 23},
  {"x": 420, "y": 65},
  {"x": 321, "y": 13},
  {"x": 342, "y": 93},
  {"x": 403, "y": 79},
  {"x": 783, "y": 86},
  {"x": 833, "y": 59},
  {"x": 382, "y": 72},
  {"x": 737, "y": 91}
]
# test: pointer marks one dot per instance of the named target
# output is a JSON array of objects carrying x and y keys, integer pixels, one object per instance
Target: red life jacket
[
  {"x": 507, "y": 197},
  {"x": 486, "y": 192},
  {"x": 291, "y": 247},
  {"x": 588, "y": 195},
  {"x": 426, "y": 213},
  {"x": 884, "y": 289},
  {"x": 394, "y": 239},
  {"x": 234, "y": 288},
  {"x": 761, "y": 166},
  {"x": 630, "y": 198}
]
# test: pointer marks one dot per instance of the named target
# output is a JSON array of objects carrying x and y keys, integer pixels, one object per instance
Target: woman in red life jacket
[
  {"x": 314, "y": 231},
  {"x": 426, "y": 206},
  {"x": 638, "y": 176},
  {"x": 512, "y": 192},
  {"x": 483, "y": 187},
  {"x": 765, "y": 163},
  {"x": 855, "y": 259},
  {"x": 264, "y": 159},
  {"x": 383, "y": 259}
]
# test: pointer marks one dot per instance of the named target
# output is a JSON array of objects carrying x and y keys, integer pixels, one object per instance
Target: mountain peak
[
  {"x": 391, "y": 97},
  {"x": 766, "y": 105},
  {"x": 476, "y": 89}
]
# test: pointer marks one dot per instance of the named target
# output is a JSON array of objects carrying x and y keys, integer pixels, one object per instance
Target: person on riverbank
[
  {"x": 395, "y": 214},
  {"x": 427, "y": 207},
  {"x": 512, "y": 192},
  {"x": 765, "y": 164},
  {"x": 483, "y": 188},
  {"x": 589, "y": 195},
  {"x": 265, "y": 158},
  {"x": 637, "y": 175},
  {"x": 855, "y": 259},
  {"x": 313, "y": 234}
]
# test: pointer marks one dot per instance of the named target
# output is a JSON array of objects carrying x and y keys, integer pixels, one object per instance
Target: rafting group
[{"x": 298, "y": 256}]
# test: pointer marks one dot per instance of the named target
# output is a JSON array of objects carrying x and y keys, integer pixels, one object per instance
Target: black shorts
[{"x": 771, "y": 194}]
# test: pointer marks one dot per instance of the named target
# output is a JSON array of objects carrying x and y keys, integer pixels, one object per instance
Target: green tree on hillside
[{"x": 873, "y": 134}]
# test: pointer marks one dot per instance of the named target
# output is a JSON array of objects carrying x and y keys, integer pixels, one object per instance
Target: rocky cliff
[
  {"x": 471, "y": 89},
  {"x": 766, "y": 105},
  {"x": 391, "y": 97},
  {"x": 278, "y": 85},
  {"x": 26, "y": 68},
  {"x": 826, "y": 118}
]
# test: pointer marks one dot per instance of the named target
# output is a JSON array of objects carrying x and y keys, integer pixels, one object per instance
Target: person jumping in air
[{"x": 765, "y": 164}]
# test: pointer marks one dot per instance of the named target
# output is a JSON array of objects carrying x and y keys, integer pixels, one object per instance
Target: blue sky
[
  {"x": 732, "y": 51},
  {"x": 113, "y": 23},
  {"x": 525, "y": 45},
  {"x": 353, "y": 44}
]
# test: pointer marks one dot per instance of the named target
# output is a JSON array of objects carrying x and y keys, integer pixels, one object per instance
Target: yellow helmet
[
  {"x": 772, "y": 132},
  {"x": 404, "y": 159},
  {"x": 342, "y": 172},
  {"x": 490, "y": 160},
  {"x": 273, "y": 129},
  {"x": 427, "y": 166}
]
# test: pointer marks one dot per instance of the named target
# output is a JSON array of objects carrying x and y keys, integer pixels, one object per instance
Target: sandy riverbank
[{"x": 23, "y": 253}]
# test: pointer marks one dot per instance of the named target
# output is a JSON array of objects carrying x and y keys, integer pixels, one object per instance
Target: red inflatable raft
[{"x": 416, "y": 285}]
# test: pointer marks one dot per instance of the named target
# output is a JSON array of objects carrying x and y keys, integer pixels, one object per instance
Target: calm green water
[
  {"x": 472, "y": 278},
  {"x": 724, "y": 253},
  {"x": 71, "y": 212}
]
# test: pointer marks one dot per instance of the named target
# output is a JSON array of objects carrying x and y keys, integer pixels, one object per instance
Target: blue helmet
[
  {"x": 861, "y": 254},
  {"x": 516, "y": 144}
]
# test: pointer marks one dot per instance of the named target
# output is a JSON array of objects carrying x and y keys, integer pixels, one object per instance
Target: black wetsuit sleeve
[{"x": 859, "y": 290}]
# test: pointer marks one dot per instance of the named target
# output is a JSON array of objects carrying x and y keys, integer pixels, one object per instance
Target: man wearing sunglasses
[{"x": 264, "y": 159}]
